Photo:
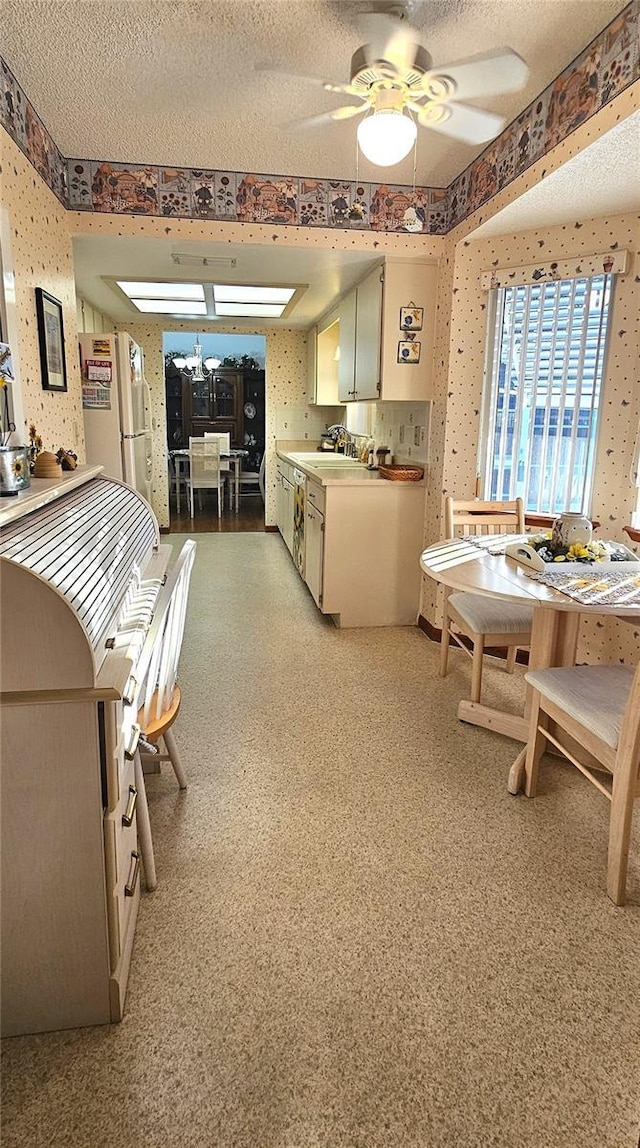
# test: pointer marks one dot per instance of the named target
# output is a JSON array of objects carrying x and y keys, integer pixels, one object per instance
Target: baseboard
[
  {"x": 165, "y": 529},
  {"x": 271, "y": 529},
  {"x": 434, "y": 634}
]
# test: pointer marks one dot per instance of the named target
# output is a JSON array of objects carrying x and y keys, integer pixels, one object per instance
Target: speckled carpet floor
[{"x": 359, "y": 939}]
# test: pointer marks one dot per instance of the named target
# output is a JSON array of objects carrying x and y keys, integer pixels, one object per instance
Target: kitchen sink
[{"x": 329, "y": 460}]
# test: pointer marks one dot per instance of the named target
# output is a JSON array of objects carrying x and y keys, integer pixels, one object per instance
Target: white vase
[{"x": 570, "y": 528}]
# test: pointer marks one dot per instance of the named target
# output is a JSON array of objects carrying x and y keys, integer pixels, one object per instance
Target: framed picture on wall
[
  {"x": 408, "y": 352},
  {"x": 51, "y": 340},
  {"x": 411, "y": 318}
]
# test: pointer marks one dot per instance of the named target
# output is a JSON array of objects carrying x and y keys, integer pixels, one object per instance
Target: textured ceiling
[
  {"x": 604, "y": 179},
  {"x": 175, "y": 81}
]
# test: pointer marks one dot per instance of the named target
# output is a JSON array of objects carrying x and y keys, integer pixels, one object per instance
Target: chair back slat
[
  {"x": 475, "y": 516},
  {"x": 157, "y": 668},
  {"x": 223, "y": 437},
  {"x": 204, "y": 459}
]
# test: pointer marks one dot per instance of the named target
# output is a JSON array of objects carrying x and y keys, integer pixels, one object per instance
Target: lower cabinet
[
  {"x": 362, "y": 546},
  {"x": 288, "y": 491},
  {"x": 314, "y": 551}
]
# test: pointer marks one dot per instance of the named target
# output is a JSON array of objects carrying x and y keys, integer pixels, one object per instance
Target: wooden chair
[
  {"x": 205, "y": 471},
  {"x": 485, "y": 621},
  {"x": 598, "y": 707},
  {"x": 158, "y": 695}
]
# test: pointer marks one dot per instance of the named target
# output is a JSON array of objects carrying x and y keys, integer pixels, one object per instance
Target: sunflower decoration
[
  {"x": 35, "y": 446},
  {"x": 19, "y": 467}
]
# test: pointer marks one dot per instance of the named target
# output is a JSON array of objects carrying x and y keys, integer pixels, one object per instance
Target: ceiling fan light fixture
[{"x": 386, "y": 137}]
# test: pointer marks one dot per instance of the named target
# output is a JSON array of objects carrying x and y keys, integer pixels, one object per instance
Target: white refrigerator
[{"x": 116, "y": 407}]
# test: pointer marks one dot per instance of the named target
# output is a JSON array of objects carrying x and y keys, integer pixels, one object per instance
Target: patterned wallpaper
[
  {"x": 42, "y": 256},
  {"x": 285, "y": 382},
  {"x": 604, "y": 69},
  {"x": 456, "y": 413}
]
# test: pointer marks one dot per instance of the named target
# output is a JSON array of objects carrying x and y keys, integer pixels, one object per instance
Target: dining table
[
  {"x": 229, "y": 461},
  {"x": 469, "y": 565}
]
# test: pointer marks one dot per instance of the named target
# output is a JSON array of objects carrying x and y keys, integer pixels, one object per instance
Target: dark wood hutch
[{"x": 226, "y": 400}]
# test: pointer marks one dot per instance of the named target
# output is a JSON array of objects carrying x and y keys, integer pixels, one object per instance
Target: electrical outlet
[
  {"x": 401, "y": 436},
  {"x": 422, "y": 435},
  {"x": 416, "y": 436}
]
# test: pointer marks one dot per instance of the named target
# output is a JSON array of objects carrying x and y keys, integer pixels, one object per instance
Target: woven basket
[{"x": 399, "y": 472}]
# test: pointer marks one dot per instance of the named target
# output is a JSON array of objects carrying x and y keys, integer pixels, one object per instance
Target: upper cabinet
[
  {"x": 347, "y": 351},
  {"x": 378, "y": 342},
  {"x": 327, "y": 356}
]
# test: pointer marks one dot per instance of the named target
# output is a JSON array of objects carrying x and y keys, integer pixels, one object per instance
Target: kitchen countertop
[
  {"x": 44, "y": 490},
  {"x": 326, "y": 475}
]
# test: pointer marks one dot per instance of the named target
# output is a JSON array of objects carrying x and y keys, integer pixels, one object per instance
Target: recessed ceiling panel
[
  {"x": 161, "y": 290},
  {"x": 240, "y": 293},
  {"x": 257, "y": 310},
  {"x": 170, "y": 306}
]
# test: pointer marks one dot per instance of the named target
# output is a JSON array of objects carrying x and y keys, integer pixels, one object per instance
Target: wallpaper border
[{"x": 604, "y": 69}]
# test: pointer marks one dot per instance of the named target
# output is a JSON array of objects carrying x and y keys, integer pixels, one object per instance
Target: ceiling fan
[{"x": 397, "y": 88}]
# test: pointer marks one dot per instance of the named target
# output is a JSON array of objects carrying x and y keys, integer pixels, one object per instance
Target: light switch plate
[
  {"x": 401, "y": 435},
  {"x": 416, "y": 436}
]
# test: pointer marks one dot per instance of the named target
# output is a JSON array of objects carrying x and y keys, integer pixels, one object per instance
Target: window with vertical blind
[{"x": 546, "y": 352}]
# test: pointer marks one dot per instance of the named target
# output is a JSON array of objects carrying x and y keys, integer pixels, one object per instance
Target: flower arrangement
[
  {"x": 35, "y": 446},
  {"x": 577, "y": 552}
]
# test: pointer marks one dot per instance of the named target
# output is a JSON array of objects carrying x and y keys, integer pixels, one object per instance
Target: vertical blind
[{"x": 545, "y": 366}]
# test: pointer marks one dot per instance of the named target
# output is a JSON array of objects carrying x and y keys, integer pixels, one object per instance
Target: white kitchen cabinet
[
  {"x": 314, "y": 540},
  {"x": 279, "y": 501},
  {"x": 408, "y": 282},
  {"x": 370, "y": 333},
  {"x": 347, "y": 364},
  {"x": 327, "y": 361},
  {"x": 369, "y": 299},
  {"x": 288, "y": 491},
  {"x": 363, "y": 539}
]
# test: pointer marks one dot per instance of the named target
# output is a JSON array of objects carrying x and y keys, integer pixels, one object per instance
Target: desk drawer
[{"x": 122, "y": 863}]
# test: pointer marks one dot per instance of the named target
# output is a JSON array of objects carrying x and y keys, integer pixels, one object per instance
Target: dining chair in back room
[{"x": 204, "y": 469}]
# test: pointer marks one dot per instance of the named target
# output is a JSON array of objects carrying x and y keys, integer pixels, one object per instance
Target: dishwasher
[{"x": 299, "y": 489}]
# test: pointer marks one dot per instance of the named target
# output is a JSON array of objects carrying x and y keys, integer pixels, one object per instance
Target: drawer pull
[
  {"x": 127, "y": 816},
  {"x": 130, "y": 887},
  {"x": 130, "y": 691},
  {"x": 130, "y": 751}
]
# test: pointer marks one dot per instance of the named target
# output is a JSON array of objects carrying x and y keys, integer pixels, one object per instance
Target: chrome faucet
[{"x": 343, "y": 439}]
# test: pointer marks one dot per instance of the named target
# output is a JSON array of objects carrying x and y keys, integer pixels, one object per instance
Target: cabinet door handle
[
  {"x": 134, "y": 875},
  {"x": 130, "y": 751},
  {"x": 130, "y": 691},
  {"x": 127, "y": 816}
]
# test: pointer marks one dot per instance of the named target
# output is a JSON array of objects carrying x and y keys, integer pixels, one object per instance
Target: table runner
[{"x": 599, "y": 585}]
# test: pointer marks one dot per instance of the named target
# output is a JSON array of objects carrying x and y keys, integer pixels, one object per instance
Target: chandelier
[{"x": 194, "y": 364}]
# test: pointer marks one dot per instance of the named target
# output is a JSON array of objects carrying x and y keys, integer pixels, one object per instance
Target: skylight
[
  {"x": 262, "y": 310},
  {"x": 240, "y": 293},
  {"x": 171, "y": 306},
  {"x": 162, "y": 290}
]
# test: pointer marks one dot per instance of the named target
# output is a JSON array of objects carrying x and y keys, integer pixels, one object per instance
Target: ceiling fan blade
[
  {"x": 388, "y": 39},
  {"x": 317, "y": 81},
  {"x": 349, "y": 111},
  {"x": 486, "y": 75},
  {"x": 472, "y": 125},
  {"x": 345, "y": 113}
]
